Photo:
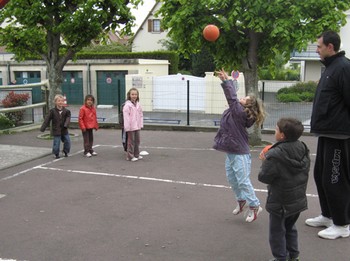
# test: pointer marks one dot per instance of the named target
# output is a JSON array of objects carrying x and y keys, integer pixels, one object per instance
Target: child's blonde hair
[
  {"x": 57, "y": 96},
  {"x": 254, "y": 108}
]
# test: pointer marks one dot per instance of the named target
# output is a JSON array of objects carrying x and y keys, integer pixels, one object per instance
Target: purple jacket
[{"x": 232, "y": 136}]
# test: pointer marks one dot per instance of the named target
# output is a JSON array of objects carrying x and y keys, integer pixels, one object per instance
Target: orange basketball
[{"x": 211, "y": 33}]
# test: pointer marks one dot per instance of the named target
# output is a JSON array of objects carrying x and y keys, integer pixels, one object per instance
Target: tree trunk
[
  {"x": 55, "y": 80},
  {"x": 250, "y": 69},
  {"x": 55, "y": 64}
]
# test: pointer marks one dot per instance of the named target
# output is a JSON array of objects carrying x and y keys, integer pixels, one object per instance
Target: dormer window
[{"x": 154, "y": 26}]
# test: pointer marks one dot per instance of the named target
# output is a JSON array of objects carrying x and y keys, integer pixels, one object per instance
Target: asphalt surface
[{"x": 174, "y": 204}]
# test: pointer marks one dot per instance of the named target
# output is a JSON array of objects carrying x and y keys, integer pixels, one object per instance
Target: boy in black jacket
[
  {"x": 60, "y": 118},
  {"x": 285, "y": 168}
]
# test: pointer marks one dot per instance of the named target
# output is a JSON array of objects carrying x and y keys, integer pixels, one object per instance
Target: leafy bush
[
  {"x": 13, "y": 100},
  {"x": 171, "y": 56},
  {"x": 5, "y": 123},
  {"x": 292, "y": 75},
  {"x": 288, "y": 97},
  {"x": 300, "y": 92},
  {"x": 282, "y": 75}
]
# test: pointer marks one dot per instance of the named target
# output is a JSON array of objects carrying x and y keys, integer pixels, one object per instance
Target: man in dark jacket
[
  {"x": 330, "y": 121},
  {"x": 285, "y": 169},
  {"x": 60, "y": 118}
]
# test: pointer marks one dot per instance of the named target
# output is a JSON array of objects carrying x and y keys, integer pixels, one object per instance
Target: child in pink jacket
[{"x": 133, "y": 122}]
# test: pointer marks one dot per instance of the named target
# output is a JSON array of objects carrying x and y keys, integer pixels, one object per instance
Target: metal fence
[
  {"x": 183, "y": 106},
  {"x": 31, "y": 112},
  {"x": 188, "y": 104}
]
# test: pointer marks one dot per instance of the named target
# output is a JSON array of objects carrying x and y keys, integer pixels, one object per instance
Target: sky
[{"x": 142, "y": 12}]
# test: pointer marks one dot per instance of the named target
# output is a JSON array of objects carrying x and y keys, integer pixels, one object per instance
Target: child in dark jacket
[
  {"x": 60, "y": 118},
  {"x": 285, "y": 168}
]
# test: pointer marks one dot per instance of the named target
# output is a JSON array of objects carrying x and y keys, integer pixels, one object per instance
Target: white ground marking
[
  {"x": 150, "y": 179},
  {"x": 43, "y": 166},
  {"x": 10, "y": 260}
]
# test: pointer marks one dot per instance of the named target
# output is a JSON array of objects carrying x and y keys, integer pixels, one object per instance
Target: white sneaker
[
  {"x": 94, "y": 153},
  {"x": 88, "y": 155},
  {"x": 139, "y": 157},
  {"x": 319, "y": 221},
  {"x": 240, "y": 207},
  {"x": 333, "y": 232},
  {"x": 134, "y": 159},
  {"x": 253, "y": 213}
]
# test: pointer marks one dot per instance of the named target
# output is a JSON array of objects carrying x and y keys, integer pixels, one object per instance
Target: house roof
[{"x": 145, "y": 20}]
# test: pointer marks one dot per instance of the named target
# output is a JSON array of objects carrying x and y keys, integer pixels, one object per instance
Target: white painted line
[
  {"x": 190, "y": 149},
  {"x": 162, "y": 148},
  {"x": 151, "y": 179},
  {"x": 42, "y": 166},
  {"x": 10, "y": 260}
]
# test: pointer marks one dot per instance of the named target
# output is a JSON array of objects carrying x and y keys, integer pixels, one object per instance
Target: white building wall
[
  {"x": 344, "y": 34},
  {"x": 148, "y": 41},
  {"x": 312, "y": 71}
]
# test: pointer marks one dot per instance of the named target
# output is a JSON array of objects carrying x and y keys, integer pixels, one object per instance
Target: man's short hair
[{"x": 331, "y": 37}]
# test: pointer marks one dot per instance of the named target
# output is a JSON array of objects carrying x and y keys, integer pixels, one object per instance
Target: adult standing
[{"x": 330, "y": 122}]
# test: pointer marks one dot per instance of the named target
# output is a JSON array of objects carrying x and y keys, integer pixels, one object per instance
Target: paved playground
[{"x": 174, "y": 205}]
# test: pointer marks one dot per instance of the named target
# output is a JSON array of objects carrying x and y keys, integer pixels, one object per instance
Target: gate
[
  {"x": 110, "y": 87},
  {"x": 72, "y": 87},
  {"x": 170, "y": 93},
  {"x": 31, "y": 77}
]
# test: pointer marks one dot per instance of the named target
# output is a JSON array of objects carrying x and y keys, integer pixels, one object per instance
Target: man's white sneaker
[
  {"x": 88, "y": 155},
  {"x": 253, "y": 213},
  {"x": 94, "y": 153},
  {"x": 334, "y": 232},
  {"x": 134, "y": 159},
  {"x": 240, "y": 207},
  {"x": 319, "y": 221},
  {"x": 139, "y": 157}
]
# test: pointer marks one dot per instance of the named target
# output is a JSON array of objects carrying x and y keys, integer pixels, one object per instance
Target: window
[{"x": 154, "y": 26}]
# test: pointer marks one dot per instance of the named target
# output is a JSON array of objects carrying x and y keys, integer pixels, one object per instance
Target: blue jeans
[
  {"x": 237, "y": 173},
  {"x": 57, "y": 141}
]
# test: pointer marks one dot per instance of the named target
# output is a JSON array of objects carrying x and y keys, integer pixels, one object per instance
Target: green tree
[
  {"x": 197, "y": 64},
  {"x": 55, "y": 30},
  {"x": 251, "y": 32},
  {"x": 202, "y": 62}
]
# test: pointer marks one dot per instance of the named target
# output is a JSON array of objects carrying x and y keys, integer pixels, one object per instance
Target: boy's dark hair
[
  {"x": 291, "y": 128},
  {"x": 331, "y": 37}
]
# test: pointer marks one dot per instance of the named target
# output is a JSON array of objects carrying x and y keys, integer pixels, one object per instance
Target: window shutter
[{"x": 150, "y": 25}]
